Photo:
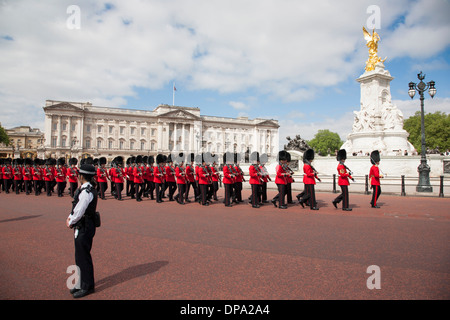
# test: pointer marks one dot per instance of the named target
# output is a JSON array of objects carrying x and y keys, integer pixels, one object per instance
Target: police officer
[{"x": 81, "y": 219}]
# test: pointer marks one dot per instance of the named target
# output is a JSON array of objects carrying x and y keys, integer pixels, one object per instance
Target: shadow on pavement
[{"x": 128, "y": 274}]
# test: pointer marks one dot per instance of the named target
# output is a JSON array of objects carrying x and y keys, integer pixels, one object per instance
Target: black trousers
[
  {"x": 119, "y": 188},
  {"x": 255, "y": 194},
  {"x": 138, "y": 188},
  {"x": 180, "y": 196},
  {"x": 172, "y": 186},
  {"x": 375, "y": 195},
  {"x": 73, "y": 187},
  {"x": 263, "y": 191},
  {"x": 37, "y": 187},
  {"x": 7, "y": 184},
  {"x": 103, "y": 188},
  {"x": 83, "y": 258},
  {"x": 215, "y": 189},
  {"x": 60, "y": 186},
  {"x": 289, "y": 192},
  {"x": 48, "y": 187},
  {"x": 194, "y": 186},
  {"x": 227, "y": 196},
  {"x": 310, "y": 195},
  {"x": 343, "y": 197},
  {"x": 281, "y": 194},
  {"x": 238, "y": 191},
  {"x": 203, "y": 193},
  {"x": 17, "y": 186},
  {"x": 28, "y": 186},
  {"x": 130, "y": 188},
  {"x": 159, "y": 189}
]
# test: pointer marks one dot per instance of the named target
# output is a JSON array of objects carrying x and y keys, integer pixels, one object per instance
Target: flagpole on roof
[{"x": 173, "y": 94}]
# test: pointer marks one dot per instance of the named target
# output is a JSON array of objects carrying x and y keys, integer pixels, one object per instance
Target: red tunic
[
  {"x": 374, "y": 175},
  {"x": 27, "y": 174},
  {"x": 190, "y": 174},
  {"x": 170, "y": 175},
  {"x": 280, "y": 178},
  {"x": 343, "y": 175},
  {"x": 309, "y": 176},
  {"x": 254, "y": 176},
  {"x": 102, "y": 175},
  {"x": 138, "y": 174},
  {"x": 227, "y": 172},
  {"x": 159, "y": 174},
  {"x": 202, "y": 175},
  {"x": 179, "y": 175}
]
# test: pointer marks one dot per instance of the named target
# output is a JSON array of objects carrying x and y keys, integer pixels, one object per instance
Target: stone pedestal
[{"x": 379, "y": 123}]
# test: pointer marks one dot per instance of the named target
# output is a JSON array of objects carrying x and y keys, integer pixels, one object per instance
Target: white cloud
[{"x": 285, "y": 50}]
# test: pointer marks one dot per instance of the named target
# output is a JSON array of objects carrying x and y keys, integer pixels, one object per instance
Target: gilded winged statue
[{"x": 372, "y": 44}]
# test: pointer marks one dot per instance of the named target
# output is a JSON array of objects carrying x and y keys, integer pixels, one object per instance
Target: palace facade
[{"x": 77, "y": 129}]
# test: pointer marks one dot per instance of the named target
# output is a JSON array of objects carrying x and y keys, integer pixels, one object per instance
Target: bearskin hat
[
  {"x": 308, "y": 155},
  {"x": 160, "y": 158},
  {"x": 169, "y": 158},
  {"x": 73, "y": 161},
  {"x": 214, "y": 158},
  {"x": 151, "y": 160},
  {"x": 180, "y": 157},
  {"x": 375, "y": 157},
  {"x": 138, "y": 159},
  {"x": 341, "y": 155},
  {"x": 28, "y": 161},
  {"x": 119, "y": 160},
  {"x": 132, "y": 159},
  {"x": 102, "y": 160},
  {"x": 61, "y": 161},
  {"x": 254, "y": 157},
  {"x": 282, "y": 155}
]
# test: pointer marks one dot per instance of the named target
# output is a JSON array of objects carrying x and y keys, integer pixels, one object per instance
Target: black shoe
[
  {"x": 206, "y": 204},
  {"x": 314, "y": 208},
  {"x": 82, "y": 292},
  {"x": 334, "y": 204},
  {"x": 187, "y": 200},
  {"x": 228, "y": 205},
  {"x": 255, "y": 206},
  {"x": 72, "y": 291},
  {"x": 375, "y": 207},
  {"x": 274, "y": 203},
  {"x": 283, "y": 207},
  {"x": 347, "y": 209}
]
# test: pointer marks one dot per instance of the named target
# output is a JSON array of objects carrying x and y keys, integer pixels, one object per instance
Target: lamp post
[{"x": 424, "y": 169}]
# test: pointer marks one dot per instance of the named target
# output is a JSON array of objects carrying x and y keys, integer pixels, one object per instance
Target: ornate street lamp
[{"x": 424, "y": 169}]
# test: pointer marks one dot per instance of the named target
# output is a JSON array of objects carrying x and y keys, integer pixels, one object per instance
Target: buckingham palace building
[{"x": 79, "y": 129}]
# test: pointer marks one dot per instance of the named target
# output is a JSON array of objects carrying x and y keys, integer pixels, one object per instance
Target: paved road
[{"x": 166, "y": 251}]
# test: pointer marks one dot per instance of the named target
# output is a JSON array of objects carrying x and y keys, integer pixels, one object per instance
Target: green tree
[
  {"x": 437, "y": 130},
  {"x": 325, "y": 142},
  {"x": 3, "y": 136}
]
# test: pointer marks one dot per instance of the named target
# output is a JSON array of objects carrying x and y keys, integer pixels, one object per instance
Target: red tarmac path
[{"x": 167, "y": 251}]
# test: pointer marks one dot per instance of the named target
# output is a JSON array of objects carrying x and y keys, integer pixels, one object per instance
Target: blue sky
[{"x": 294, "y": 61}]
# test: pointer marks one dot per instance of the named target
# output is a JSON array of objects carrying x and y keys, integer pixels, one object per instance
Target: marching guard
[
  {"x": 73, "y": 175},
  {"x": 159, "y": 174},
  {"x": 281, "y": 180},
  {"x": 343, "y": 181},
  {"x": 255, "y": 179},
  {"x": 180, "y": 174},
  {"x": 374, "y": 176},
  {"x": 309, "y": 179},
  {"x": 102, "y": 177}
]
